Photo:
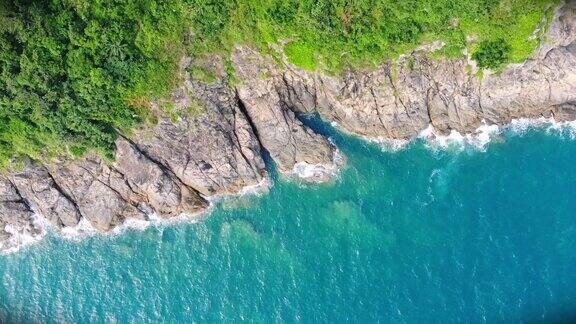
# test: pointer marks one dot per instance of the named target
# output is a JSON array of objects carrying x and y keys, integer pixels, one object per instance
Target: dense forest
[{"x": 73, "y": 72}]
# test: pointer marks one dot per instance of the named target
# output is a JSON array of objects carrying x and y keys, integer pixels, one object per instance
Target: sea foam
[
  {"x": 85, "y": 229},
  {"x": 480, "y": 138},
  {"x": 24, "y": 236},
  {"x": 550, "y": 125},
  {"x": 21, "y": 237},
  {"x": 250, "y": 190},
  {"x": 388, "y": 144},
  {"x": 319, "y": 172}
]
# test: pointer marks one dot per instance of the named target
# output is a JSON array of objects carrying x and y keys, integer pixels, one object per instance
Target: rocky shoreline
[{"x": 175, "y": 167}]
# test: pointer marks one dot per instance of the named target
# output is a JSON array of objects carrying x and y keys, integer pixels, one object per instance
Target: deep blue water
[{"x": 418, "y": 235}]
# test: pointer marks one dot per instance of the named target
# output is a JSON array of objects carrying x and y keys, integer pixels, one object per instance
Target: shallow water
[{"x": 417, "y": 235}]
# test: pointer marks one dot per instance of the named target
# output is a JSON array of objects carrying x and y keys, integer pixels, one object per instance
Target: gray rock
[
  {"x": 39, "y": 187},
  {"x": 400, "y": 99},
  {"x": 162, "y": 190},
  {"x": 214, "y": 153},
  {"x": 288, "y": 141},
  {"x": 213, "y": 141},
  {"x": 97, "y": 191},
  {"x": 16, "y": 218}
]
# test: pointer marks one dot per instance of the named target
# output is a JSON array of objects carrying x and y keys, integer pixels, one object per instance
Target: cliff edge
[{"x": 177, "y": 165}]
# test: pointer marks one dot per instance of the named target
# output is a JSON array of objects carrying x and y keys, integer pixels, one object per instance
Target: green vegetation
[
  {"x": 332, "y": 34},
  {"x": 300, "y": 54},
  {"x": 492, "y": 54},
  {"x": 202, "y": 74},
  {"x": 73, "y": 72}
]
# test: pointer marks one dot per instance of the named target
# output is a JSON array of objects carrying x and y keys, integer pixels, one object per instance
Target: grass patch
[
  {"x": 301, "y": 54},
  {"x": 202, "y": 74}
]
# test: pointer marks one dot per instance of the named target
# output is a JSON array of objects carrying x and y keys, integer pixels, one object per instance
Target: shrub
[{"x": 492, "y": 54}]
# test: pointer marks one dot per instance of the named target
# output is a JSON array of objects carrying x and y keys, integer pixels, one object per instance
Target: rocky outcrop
[
  {"x": 214, "y": 153},
  {"x": 213, "y": 138},
  {"x": 17, "y": 218},
  {"x": 288, "y": 141},
  {"x": 400, "y": 99},
  {"x": 39, "y": 188},
  {"x": 208, "y": 147}
]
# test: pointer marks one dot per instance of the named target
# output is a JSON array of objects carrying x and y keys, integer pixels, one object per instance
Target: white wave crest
[
  {"x": 25, "y": 235},
  {"x": 566, "y": 127},
  {"x": 319, "y": 172},
  {"x": 481, "y": 137},
  {"x": 388, "y": 144},
  {"x": 550, "y": 125},
  {"x": 19, "y": 238},
  {"x": 485, "y": 134},
  {"x": 522, "y": 125},
  {"x": 256, "y": 189},
  {"x": 190, "y": 218},
  {"x": 132, "y": 223},
  {"x": 83, "y": 229}
]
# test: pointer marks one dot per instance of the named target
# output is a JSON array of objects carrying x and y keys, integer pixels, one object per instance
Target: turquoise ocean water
[{"x": 417, "y": 235}]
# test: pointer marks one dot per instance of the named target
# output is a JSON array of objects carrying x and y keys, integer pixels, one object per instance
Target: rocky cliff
[{"x": 175, "y": 166}]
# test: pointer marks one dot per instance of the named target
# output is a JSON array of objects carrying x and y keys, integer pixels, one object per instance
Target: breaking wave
[{"x": 481, "y": 137}]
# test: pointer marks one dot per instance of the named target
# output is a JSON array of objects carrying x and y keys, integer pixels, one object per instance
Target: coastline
[
  {"x": 180, "y": 166},
  {"x": 444, "y": 215},
  {"x": 84, "y": 228},
  {"x": 479, "y": 140}
]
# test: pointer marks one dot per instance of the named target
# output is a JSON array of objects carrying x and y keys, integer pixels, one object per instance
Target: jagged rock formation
[
  {"x": 17, "y": 218},
  {"x": 400, "y": 99},
  {"x": 174, "y": 166},
  {"x": 214, "y": 153},
  {"x": 280, "y": 132}
]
